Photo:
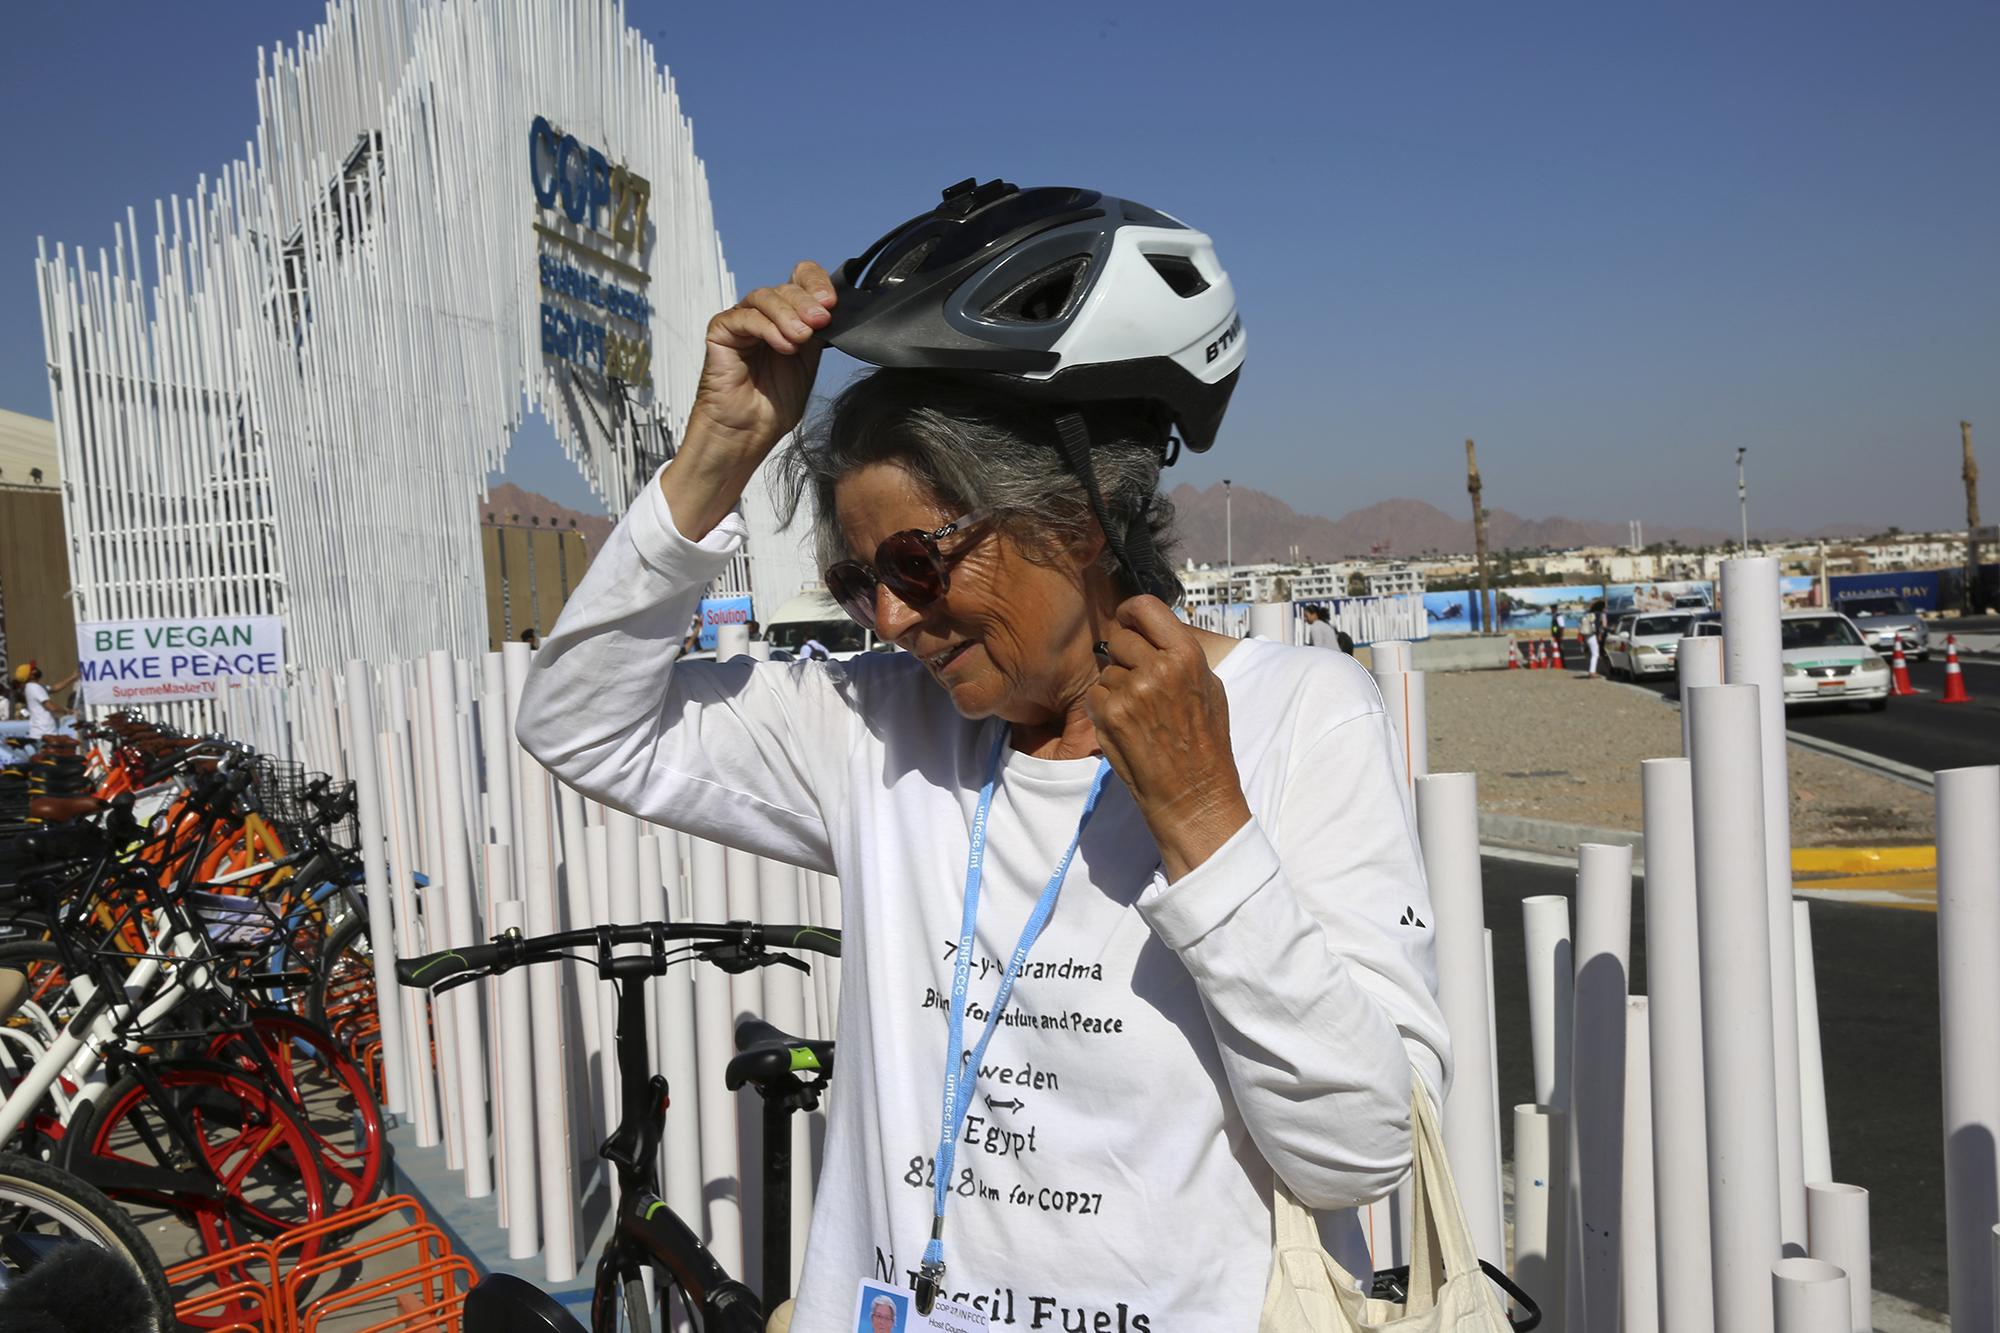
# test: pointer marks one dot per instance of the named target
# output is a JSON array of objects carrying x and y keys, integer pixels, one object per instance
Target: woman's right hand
[{"x": 763, "y": 353}]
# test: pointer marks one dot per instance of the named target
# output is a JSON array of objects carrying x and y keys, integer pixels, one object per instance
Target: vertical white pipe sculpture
[
  {"x": 1448, "y": 823},
  {"x": 1597, "y": 1084},
  {"x": 677, "y": 1020},
  {"x": 517, "y": 1076},
  {"x": 1391, "y": 655},
  {"x": 579, "y": 911},
  {"x": 731, "y": 641},
  {"x": 746, "y": 991},
  {"x": 419, "y": 1073},
  {"x": 1493, "y": 1071},
  {"x": 1638, "y": 1261},
  {"x": 1697, "y": 661},
  {"x": 650, "y": 904},
  {"x": 1837, "y": 1232},
  {"x": 1673, "y": 976},
  {"x": 778, "y": 901},
  {"x": 597, "y": 852},
  {"x": 1968, "y": 927},
  {"x": 1816, "y": 1141},
  {"x": 1808, "y": 1295},
  {"x": 1403, "y": 697},
  {"x": 1752, "y": 655},
  {"x": 361, "y": 751},
  {"x": 1551, "y": 986},
  {"x": 1271, "y": 620},
  {"x": 462, "y": 917},
  {"x": 1744, "y": 1231},
  {"x": 420, "y": 771},
  {"x": 715, "y": 1042},
  {"x": 496, "y": 751},
  {"x": 1540, "y": 1198}
]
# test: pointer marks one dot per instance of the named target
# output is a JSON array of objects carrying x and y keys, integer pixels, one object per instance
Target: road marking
[
  {"x": 1915, "y": 891},
  {"x": 1861, "y": 860}
]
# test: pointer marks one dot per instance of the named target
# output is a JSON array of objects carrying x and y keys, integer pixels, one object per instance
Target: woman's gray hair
[{"x": 973, "y": 446}]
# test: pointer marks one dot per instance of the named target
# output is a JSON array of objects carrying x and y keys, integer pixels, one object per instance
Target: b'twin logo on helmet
[{"x": 1229, "y": 336}]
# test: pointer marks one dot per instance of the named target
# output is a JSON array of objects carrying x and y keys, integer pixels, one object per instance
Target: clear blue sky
[{"x": 1610, "y": 242}]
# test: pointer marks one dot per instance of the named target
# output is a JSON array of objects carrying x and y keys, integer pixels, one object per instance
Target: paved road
[
  {"x": 1879, "y": 1034},
  {"x": 1920, "y": 731}
]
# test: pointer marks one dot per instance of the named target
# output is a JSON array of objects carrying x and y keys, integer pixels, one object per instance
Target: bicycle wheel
[
  {"x": 326, "y": 1088},
  {"x": 42, "y": 1208},
  {"x": 344, "y": 976},
  {"x": 208, "y": 1122}
]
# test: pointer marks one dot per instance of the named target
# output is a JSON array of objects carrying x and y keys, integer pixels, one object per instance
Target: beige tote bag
[{"x": 1448, "y": 1293}]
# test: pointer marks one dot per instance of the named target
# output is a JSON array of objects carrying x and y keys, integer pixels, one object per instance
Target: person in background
[
  {"x": 532, "y": 637},
  {"x": 1320, "y": 632},
  {"x": 43, "y": 717},
  {"x": 1344, "y": 641},
  {"x": 756, "y": 630},
  {"x": 1557, "y": 623},
  {"x": 1593, "y": 635}
]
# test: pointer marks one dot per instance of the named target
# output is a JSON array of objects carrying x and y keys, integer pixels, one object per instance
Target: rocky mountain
[
  {"x": 1267, "y": 528},
  {"x": 509, "y": 505}
]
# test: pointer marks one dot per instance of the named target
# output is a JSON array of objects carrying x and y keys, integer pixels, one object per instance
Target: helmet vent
[
  {"x": 1180, "y": 274},
  {"x": 906, "y": 263},
  {"x": 1043, "y": 298}
]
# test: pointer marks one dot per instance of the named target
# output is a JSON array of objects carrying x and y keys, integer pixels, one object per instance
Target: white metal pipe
[
  {"x": 1638, "y": 1261},
  {"x": 1816, "y": 1140},
  {"x": 555, "y": 1153},
  {"x": 1752, "y": 654},
  {"x": 1597, "y": 1084},
  {"x": 1493, "y": 1070},
  {"x": 650, "y": 904},
  {"x": 1968, "y": 930},
  {"x": 1403, "y": 698},
  {"x": 1271, "y": 620},
  {"x": 462, "y": 921},
  {"x": 731, "y": 641},
  {"x": 603, "y": 995},
  {"x": 1540, "y": 1201},
  {"x": 1808, "y": 1295},
  {"x": 1697, "y": 661},
  {"x": 1551, "y": 986},
  {"x": 1673, "y": 976},
  {"x": 517, "y": 1079},
  {"x": 359, "y": 716},
  {"x": 1837, "y": 1232},
  {"x": 1448, "y": 823},
  {"x": 676, "y": 998},
  {"x": 1391, "y": 655},
  {"x": 1745, "y": 1238},
  {"x": 715, "y": 1042},
  {"x": 420, "y": 1072},
  {"x": 447, "y": 922},
  {"x": 746, "y": 991}
]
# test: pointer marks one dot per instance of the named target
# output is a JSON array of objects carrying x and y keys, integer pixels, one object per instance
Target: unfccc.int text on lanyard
[{"x": 960, "y": 1064}]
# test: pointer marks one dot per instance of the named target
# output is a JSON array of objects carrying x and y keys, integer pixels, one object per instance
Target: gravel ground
[{"x": 1558, "y": 746}]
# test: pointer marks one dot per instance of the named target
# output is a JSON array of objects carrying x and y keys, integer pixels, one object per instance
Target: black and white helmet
[{"x": 1069, "y": 295}]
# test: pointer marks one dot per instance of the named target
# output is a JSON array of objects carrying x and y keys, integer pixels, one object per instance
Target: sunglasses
[{"x": 908, "y": 563}]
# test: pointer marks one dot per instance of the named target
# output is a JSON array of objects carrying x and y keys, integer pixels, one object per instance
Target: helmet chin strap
[{"x": 1134, "y": 551}]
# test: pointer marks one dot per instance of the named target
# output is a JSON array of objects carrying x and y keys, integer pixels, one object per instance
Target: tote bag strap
[{"x": 1440, "y": 1240}]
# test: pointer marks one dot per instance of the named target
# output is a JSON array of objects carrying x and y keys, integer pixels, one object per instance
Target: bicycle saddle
[
  {"x": 505, "y": 1304},
  {"x": 62, "y": 809},
  {"x": 765, "y": 1055}
]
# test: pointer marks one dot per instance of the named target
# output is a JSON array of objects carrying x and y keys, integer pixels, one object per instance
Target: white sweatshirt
[{"x": 1166, "y": 1047}]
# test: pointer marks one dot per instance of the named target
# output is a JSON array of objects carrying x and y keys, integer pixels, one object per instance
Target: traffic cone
[
  {"x": 1954, "y": 678},
  {"x": 1513, "y": 657},
  {"x": 1899, "y": 673}
]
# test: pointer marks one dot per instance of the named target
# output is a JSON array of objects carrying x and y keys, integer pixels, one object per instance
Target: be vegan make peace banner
[{"x": 147, "y": 661}]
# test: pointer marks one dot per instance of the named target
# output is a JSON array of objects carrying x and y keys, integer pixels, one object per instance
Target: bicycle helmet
[
  {"x": 1066, "y": 296},
  {"x": 1073, "y": 296}
]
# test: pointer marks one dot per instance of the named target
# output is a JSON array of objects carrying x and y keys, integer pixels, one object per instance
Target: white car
[
  {"x": 1828, "y": 660},
  {"x": 1643, "y": 644}
]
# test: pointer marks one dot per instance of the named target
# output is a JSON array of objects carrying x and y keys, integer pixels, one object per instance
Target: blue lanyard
[{"x": 961, "y": 1066}]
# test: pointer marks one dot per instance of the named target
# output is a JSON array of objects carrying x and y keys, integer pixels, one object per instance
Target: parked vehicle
[{"x": 814, "y": 617}]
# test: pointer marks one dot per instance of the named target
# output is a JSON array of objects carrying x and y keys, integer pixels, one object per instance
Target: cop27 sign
[{"x": 148, "y": 661}]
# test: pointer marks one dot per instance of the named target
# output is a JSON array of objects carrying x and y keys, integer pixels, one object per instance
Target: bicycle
[
  {"x": 788, "y": 1072},
  {"x": 43, "y": 1209}
]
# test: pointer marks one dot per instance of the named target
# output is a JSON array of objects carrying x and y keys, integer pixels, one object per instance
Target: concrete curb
[{"x": 1518, "y": 833}]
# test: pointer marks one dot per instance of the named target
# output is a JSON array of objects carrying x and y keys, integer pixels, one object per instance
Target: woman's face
[{"x": 1010, "y": 638}]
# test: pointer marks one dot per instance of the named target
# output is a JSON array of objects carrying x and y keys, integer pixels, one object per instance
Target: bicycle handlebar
[{"x": 512, "y": 950}]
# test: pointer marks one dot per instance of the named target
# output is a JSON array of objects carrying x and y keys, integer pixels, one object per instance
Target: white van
[{"x": 813, "y": 614}]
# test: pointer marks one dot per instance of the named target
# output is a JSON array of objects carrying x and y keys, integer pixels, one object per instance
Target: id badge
[{"x": 881, "y": 1308}]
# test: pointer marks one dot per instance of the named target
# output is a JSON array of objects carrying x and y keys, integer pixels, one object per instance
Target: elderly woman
[{"x": 1132, "y": 911}]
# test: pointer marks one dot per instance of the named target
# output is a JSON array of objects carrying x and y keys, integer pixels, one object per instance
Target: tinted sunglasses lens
[
  {"x": 853, "y": 587},
  {"x": 909, "y": 564}
]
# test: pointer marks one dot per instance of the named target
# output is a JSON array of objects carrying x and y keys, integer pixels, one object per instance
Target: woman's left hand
[{"x": 1163, "y": 720}]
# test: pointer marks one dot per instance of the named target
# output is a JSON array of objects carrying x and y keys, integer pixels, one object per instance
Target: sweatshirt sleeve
[
  {"x": 1307, "y": 937},
  {"x": 744, "y": 753}
]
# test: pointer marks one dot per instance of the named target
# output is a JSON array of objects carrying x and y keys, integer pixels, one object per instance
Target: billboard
[
  {"x": 1452, "y": 612},
  {"x": 149, "y": 661},
  {"x": 1528, "y": 610},
  {"x": 1659, "y": 595},
  {"x": 722, "y": 611},
  {"x": 1920, "y": 589}
]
